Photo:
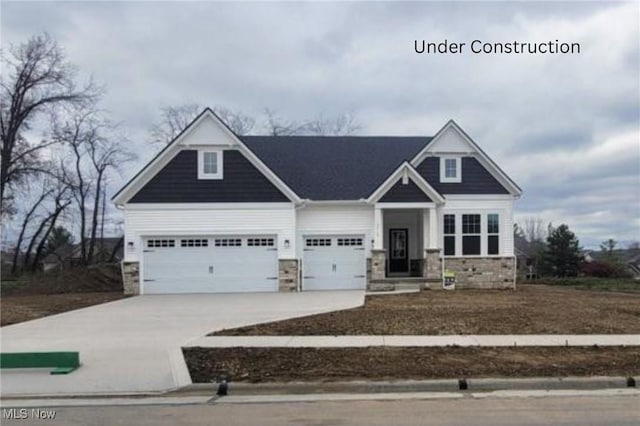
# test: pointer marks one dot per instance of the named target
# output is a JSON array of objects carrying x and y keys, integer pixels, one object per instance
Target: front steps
[{"x": 404, "y": 283}]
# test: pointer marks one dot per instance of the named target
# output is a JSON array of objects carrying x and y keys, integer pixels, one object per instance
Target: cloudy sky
[{"x": 566, "y": 128}]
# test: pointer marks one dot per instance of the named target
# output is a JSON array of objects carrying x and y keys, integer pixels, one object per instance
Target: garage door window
[
  {"x": 260, "y": 242},
  {"x": 194, "y": 243},
  {"x": 161, "y": 243},
  {"x": 350, "y": 242},
  {"x": 318, "y": 242},
  {"x": 228, "y": 242}
]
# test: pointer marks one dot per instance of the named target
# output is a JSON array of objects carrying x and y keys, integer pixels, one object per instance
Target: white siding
[
  {"x": 193, "y": 220},
  {"x": 503, "y": 207},
  {"x": 335, "y": 220},
  {"x": 450, "y": 141}
]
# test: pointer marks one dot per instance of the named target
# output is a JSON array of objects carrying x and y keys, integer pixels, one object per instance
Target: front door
[{"x": 398, "y": 250}]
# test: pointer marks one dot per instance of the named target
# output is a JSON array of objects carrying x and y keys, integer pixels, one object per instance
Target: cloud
[{"x": 566, "y": 128}]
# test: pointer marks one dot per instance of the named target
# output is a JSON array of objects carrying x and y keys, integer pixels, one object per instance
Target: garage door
[
  {"x": 225, "y": 264},
  {"x": 333, "y": 263}
]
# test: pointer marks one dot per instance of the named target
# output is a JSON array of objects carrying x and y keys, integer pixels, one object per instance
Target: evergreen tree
[
  {"x": 563, "y": 253},
  {"x": 59, "y": 236}
]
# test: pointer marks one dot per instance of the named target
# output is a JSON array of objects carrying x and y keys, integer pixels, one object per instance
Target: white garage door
[
  {"x": 226, "y": 264},
  {"x": 334, "y": 263}
]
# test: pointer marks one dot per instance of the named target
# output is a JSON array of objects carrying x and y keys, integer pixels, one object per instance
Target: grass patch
[{"x": 594, "y": 283}]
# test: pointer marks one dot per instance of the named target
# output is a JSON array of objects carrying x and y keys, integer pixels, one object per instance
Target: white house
[{"x": 218, "y": 212}]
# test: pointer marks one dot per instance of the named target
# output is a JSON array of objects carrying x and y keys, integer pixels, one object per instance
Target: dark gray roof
[{"x": 334, "y": 167}]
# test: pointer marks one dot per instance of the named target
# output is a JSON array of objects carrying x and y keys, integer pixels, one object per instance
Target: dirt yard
[
  {"x": 43, "y": 294},
  {"x": 531, "y": 309},
  {"x": 386, "y": 363},
  {"x": 16, "y": 309}
]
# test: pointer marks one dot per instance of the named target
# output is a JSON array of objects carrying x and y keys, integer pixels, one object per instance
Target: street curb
[{"x": 444, "y": 385}]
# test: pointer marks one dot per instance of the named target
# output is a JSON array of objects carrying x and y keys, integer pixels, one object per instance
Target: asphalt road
[{"x": 618, "y": 410}]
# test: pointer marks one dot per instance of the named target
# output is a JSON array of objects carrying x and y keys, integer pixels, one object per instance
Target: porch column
[
  {"x": 378, "y": 255},
  {"x": 377, "y": 229},
  {"x": 433, "y": 229},
  {"x": 432, "y": 269}
]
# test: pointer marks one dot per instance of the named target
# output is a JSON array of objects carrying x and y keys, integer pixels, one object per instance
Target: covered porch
[{"x": 405, "y": 243}]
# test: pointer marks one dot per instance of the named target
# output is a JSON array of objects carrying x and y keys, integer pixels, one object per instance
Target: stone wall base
[
  {"x": 288, "y": 275},
  {"x": 378, "y": 265},
  {"x": 131, "y": 277},
  {"x": 482, "y": 272},
  {"x": 432, "y": 269}
]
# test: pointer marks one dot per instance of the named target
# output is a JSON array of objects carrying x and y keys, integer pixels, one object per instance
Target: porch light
[
  {"x": 286, "y": 243},
  {"x": 130, "y": 245}
]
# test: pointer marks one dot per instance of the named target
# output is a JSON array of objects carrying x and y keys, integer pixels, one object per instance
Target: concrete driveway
[{"x": 133, "y": 345}]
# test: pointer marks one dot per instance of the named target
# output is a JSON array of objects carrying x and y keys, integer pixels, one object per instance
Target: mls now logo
[{"x": 23, "y": 413}]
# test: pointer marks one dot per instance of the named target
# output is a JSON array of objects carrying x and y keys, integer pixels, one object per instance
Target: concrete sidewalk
[{"x": 421, "y": 341}]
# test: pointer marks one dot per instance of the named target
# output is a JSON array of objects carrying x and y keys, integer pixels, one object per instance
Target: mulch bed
[
  {"x": 530, "y": 309},
  {"x": 387, "y": 363}
]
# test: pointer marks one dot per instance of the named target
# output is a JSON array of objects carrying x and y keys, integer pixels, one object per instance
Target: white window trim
[
  {"x": 443, "y": 177},
  {"x": 201, "y": 173},
  {"x": 484, "y": 234}
]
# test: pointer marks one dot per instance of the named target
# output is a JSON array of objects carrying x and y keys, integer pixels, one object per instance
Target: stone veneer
[
  {"x": 432, "y": 269},
  {"x": 378, "y": 264},
  {"x": 131, "y": 277},
  {"x": 482, "y": 272},
  {"x": 288, "y": 273}
]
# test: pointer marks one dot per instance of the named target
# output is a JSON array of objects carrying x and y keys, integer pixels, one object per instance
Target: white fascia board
[
  {"x": 334, "y": 202},
  {"x": 484, "y": 159},
  {"x": 208, "y": 206},
  {"x": 171, "y": 150},
  {"x": 413, "y": 175},
  {"x": 408, "y": 205},
  {"x": 484, "y": 197}
]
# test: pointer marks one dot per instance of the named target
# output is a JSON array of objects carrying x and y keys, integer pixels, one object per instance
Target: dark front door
[{"x": 398, "y": 250}]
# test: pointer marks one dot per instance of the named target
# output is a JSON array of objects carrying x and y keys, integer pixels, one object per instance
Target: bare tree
[
  {"x": 36, "y": 76},
  {"x": 534, "y": 230},
  {"x": 50, "y": 208},
  {"x": 341, "y": 125},
  {"x": 29, "y": 217},
  {"x": 174, "y": 119},
  {"x": 92, "y": 150},
  {"x": 239, "y": 122}
]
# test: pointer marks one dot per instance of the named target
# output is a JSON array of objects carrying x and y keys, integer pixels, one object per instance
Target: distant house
[
  {"x": 107, "y": 250},
  {"x": 629, "y": 257}
]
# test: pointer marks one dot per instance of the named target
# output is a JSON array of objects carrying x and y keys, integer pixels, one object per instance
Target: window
[
  {"x": 493, "y": 234},
  {"x": 349, "y": 241},
  {"x": 210, "y": 164},
  {"x": 449, "y": 235},
  {"x": 260, "y": 242},
  {"x": 194, "y": 243},
  {"x": 228, "y": 242},
  {"x": 161, "y": 243},
  {"x": 316, "y": 242},
  {"x": 450, "y": 170},
  {"x": 470, "y": 234}
]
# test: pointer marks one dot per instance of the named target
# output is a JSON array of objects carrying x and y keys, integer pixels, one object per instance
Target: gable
[
  {"x": 206, "y": 130},
  {"x": 177, "y": 182},
  {"x": 475, "y": 178},
  {"x": 405, "y": 193},
  {"x": 450, "y": 141}
]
